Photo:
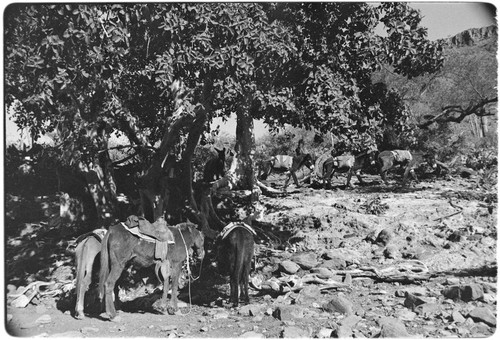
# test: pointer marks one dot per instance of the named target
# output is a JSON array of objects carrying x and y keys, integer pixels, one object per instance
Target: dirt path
[{"x": 446, "y": 227}]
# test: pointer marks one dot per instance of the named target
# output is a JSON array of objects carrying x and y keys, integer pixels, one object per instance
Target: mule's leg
[
  {"x": 358, "y": 175},
  {"x": 235, "y": 275},
  {"x": 165, "y": 272},
  {"x": 408, "y": 170},
  {"x": 176, "y": 271},
  {"x": 82, "y": 280},
  {"x": 383, "y": 171},
  {"x": 109, "y": 286},
  {"x": 244, "y": 283},
  {"x": 349, "y": 175}
]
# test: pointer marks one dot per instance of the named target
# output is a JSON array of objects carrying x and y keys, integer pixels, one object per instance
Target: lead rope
[{"x": 189, "y": 274}]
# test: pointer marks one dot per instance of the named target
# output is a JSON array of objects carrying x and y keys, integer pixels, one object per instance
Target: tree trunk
[{"x": 101, "y": 186}]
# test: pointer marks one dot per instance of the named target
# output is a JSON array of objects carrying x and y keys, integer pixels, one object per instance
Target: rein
[{"x": 189, "y": 272}]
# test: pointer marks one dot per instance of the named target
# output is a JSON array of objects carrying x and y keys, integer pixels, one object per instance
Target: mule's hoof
[
  {"x": 109, "y": 317},
  {"x": 171, "y": 310},
  {"x": 79, "y": 315}
]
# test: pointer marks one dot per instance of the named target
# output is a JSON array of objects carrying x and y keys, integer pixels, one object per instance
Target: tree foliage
[{"x": 158, "y": 73}]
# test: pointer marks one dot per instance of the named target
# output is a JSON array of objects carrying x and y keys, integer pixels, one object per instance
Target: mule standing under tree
[
  {"x": 119, "y": 246},
  {"x": 234, "y": 255}
]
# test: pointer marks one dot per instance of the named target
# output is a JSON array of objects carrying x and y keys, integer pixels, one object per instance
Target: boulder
[
  {"x": 392, "y": 328},
  {"x": 294, "y": 332},
  {"x": 339, "y": 304},
  {"x": 483, "y": 314},
  {"x": 306, "y": 260},
  {"x": 289, "y": 267}
]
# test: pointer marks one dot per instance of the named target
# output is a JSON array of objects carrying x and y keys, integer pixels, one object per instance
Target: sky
[{"x": 443, "y": 20}]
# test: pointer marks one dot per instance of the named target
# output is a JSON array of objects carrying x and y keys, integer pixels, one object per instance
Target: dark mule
[
  {"x": 407, "y": 160},
  {"x": 350, "y": 164},
  {"x": 278, "y": 163},
  {"x": 120, "y": 246},
  {"x": 234, "y": 256},
  {"x": 88, "y": 246},
  {"x": 297, "y": 163},
  {"x": 214, "y": 168}
]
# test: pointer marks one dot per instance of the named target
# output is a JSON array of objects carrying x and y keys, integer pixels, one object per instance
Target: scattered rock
[
  {"x": 308, "y": 295},
  {"x": 456, "y": 236},
  {"x": 483, "y": 314},
  {"x": 412, "y": 301},
  {"x": 472, "y": 292},
  {"x": 406, "y": 315},
  {"x": 168, "y": 328},
  {"x": 451, "y": 281},
  {"x": 20, "y": 302},
  {"x": 427, "y": 309},
  {"x": 457, "y": 317},
  {"x": 294, "y": 332},
  {"x": 384, "y": 237},
  {"x": 465, "y": 293},
  {"x": 288, "y": 312},
  {"x": 221, "y": 315},
  {"x": 391, "y": 252},
  {"x": 252, "y": 334},
  {"x": 334, "y": 263},
  {"x": 251, "y": 309},
  {"x": 289, "y": 267},
  {"x": 339, "y": 304},
  {"x": 324, "y": 333},
  {"x": 392, "y": 328},
  {"x": 88, "y": 330},
  {"x": 44, "y": 319},
  {"x": 306, "y": 260},
  {"x": 323, "y": 273}
]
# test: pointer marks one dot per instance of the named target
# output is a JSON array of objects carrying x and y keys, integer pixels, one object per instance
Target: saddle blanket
[
  {"x": 318, "y": 166},
  {"x": 402, "y": 155},
  {"x": 98, "y": 233},
  {"x": 282, "y": 162},
  {"x": 161, "y": 247},
  {"x": 228, "y": 228},
  {"x": 137, "y": 232}
]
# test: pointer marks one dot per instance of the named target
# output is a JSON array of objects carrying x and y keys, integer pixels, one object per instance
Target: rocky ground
[{"x": 371, "y": 261}]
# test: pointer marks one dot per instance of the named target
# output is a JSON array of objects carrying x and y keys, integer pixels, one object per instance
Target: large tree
[{"x": 158, "y": 73}]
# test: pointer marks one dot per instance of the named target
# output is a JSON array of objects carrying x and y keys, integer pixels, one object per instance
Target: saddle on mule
[{"x": 157, "y": 232}]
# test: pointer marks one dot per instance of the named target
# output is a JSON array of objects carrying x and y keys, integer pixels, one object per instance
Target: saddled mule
[
  {"x": 297, "y": 163},
  {"x": 407, "y": 160},
  {"x": 87, "y": 249},
  {"x": 347, "y": 163},
  {"x": 235, "y": 248},
  {"x": 119, "y": 246},
  {"x": 278, "y": 163}
]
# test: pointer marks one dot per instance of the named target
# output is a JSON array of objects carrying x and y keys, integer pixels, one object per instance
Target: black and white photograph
[{"x": 250, "y": 169}]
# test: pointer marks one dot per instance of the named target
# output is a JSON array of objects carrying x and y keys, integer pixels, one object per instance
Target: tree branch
[{"x": 446, "y": 115}]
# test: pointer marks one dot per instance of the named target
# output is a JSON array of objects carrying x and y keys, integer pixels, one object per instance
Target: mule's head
[
  {"x": 198, "y": 242},
  {"x": 371, "y": 156},
  {"x": 308, "y": 161}
]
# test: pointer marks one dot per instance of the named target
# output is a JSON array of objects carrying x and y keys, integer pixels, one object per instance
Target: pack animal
[
  {"x": 405, "y": 159},
  {"x": 278, "y": 163},
  {"x": 346, "y": 163},
  {"x": 297, "y": 163},
  {"x": 214, "y": 168},
  {"x": 235, "y": 254},
  {"x": 87, "y": 249},
  {"x": 285, "y": 163},
  {"x": 119, "y": 246}
]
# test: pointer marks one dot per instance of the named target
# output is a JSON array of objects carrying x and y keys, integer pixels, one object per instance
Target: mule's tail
[{"x": 104, "y": 271}]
